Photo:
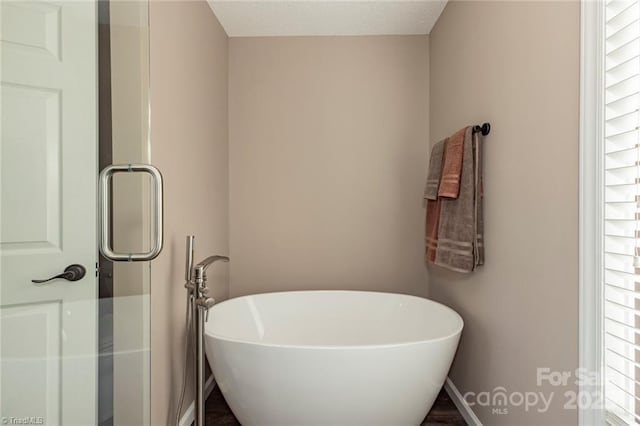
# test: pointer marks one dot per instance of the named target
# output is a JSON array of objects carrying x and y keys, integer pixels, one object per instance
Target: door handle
[
  {"x": 104, "y": 197},
  {"x": 71, "y": 273}
]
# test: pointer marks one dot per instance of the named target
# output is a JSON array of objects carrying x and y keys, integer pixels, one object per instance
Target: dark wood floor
[{"x": 443, "y": 412}]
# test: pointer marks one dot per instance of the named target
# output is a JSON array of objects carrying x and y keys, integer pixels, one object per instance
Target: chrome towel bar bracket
[{"x": 104, "y": 197}]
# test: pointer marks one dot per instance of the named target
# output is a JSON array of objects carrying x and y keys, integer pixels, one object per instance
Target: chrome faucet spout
[
  {"x": 209, "y": 260},
  {"x": 200, "y": 269}
]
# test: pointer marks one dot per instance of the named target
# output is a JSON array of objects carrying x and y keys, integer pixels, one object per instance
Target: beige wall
[
  {"x": 189, "y": 133},
  {"x": 328, "y": 138},
  {"x": 515, "y": 64}
]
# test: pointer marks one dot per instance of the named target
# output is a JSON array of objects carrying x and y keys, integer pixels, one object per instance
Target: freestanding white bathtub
[{"x": 331, "y": 358}]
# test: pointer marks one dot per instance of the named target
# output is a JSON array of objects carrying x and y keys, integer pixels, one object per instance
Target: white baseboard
[
  {"x": 190, "y": 414},
  {"x": 462, "y": 405}
]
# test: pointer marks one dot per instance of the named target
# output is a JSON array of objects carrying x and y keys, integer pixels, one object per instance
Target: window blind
[{"x": 621, "y": 239}]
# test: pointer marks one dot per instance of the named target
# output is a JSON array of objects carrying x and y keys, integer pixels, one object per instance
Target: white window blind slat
[
  {"x": 621, "y": 143},
  {"x": 620, "y": 16},
  {"x": 621, "y": 380},
  {"x": 620, "y": 245},
  {"x": 622, "y": 120},
  {"x": 620, "y": 329},
  {"x": 624, "y": 336},
  {"x": 621, "y": 158},
  {"x": 622, "y": 279},
  {"x": 616, "y": 90},
  {"x": 617, "y": 116},
  {"x": 621, "y": 36},
  {"x": 619, "y": 263},
  {"x": 620, "y": 176},
  {"x": 615, "y": 6},
  {"x": 620, "y": 361},
  {"x": 619, "y": 275},
  {"x": 622, "y": 227},
  {"x": 612, "y": 103},
  {"x": 622, "y": 54},
  {"x": 623, "y": 70}
]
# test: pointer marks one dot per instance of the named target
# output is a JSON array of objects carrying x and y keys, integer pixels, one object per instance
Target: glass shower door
[{"x": 74, "y": 327}]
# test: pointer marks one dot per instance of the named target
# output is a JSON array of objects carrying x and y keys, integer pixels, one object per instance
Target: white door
[{"x": 48, "y": 173}]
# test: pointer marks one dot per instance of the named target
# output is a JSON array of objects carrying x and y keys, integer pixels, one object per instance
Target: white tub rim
[{"x": 246, "y": 341}]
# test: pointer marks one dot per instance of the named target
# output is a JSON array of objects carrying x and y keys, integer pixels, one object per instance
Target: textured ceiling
[{"x": 242, "y": 18}]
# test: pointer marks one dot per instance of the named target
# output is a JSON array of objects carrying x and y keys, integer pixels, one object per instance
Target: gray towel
[
  {"x": 461, "y": 220},
  {"x": 435, "y": 171},
  {"x": 479, "y": 198}
]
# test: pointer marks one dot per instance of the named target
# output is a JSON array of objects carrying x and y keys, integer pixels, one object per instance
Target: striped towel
[
  {"x": 435, "y": 171},
  {"x": 433, "y": 203},
  {"x": 452, "y": 165}
]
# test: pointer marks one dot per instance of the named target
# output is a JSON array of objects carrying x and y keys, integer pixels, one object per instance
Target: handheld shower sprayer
[
  {"x": 188, "y": 322},
  {"x": 190, "y": 252}
]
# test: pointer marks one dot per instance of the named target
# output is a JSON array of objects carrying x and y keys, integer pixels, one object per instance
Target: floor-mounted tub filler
[{"x": 331, "y": 357}]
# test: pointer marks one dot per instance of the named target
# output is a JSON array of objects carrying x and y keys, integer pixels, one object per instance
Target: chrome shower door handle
[{"x": 104, "y": 195}]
